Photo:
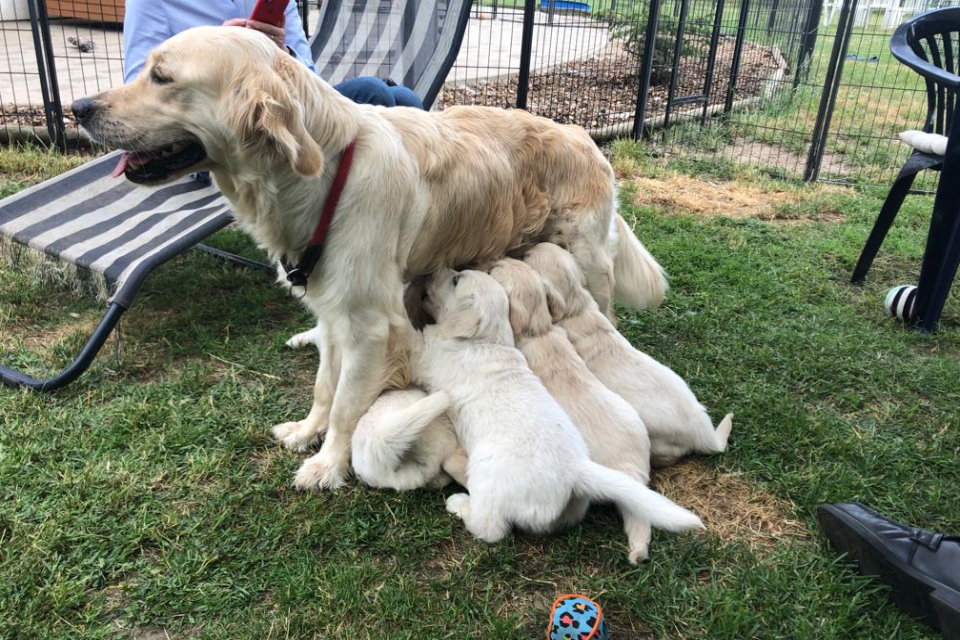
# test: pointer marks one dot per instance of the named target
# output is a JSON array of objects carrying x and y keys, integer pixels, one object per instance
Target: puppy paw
[
  {"x": 457, "y": 504},
  {"x": 305, "y": 339},
  {"x": 318, "y": 473},
  {"x": 296, "y": 436},
  {"x": 638, "y": 554}
]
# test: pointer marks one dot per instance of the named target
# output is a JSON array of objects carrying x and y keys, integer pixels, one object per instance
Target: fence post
[
  {"x": 831, "y": 87},
  {"x": 737, "y": 53},
  {"x": 49, "y": 87},
  {"x": 712, "y": 59},
  {"x": 675, "y": 69},
  {"x": 809, "y": 42},
  {"x": 646, "y": 68},
  {"x": 526, "y": 49}
]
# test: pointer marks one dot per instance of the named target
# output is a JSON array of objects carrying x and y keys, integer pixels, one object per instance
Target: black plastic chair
[{"x": 928, "y": 43}]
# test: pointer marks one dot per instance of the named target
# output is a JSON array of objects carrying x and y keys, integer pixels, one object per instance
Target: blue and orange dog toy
[{"x": 576, "y": 617}]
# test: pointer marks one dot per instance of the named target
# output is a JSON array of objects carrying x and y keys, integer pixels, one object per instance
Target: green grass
[{"x": 148, "y": 498}]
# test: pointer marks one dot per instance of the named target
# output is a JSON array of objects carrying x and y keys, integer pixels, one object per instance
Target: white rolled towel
[{"x": 926, "y": 142}]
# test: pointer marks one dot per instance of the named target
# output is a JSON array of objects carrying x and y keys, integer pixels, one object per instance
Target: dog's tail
[
  {"x": 639, "y": 280},
  {"x": 720, "y": 436},
  {"x": 604, "y": 484},
  {"x": 386, "y": 445}
]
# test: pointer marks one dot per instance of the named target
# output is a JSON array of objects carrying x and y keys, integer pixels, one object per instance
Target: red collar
[{"x": 298, "y": 274}]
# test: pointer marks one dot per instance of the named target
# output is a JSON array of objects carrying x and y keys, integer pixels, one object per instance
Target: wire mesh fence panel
[
  {"x": 21, "y": 99},
  {"x": 878, "y": 97},
  {"x": 831, "y": 104}
]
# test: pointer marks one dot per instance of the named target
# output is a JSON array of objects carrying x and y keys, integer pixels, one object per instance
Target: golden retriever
[
  {"x": 427, "y": 190},
  {"x": 527, "y": 464},
  {"x": 677, "y": 424}
]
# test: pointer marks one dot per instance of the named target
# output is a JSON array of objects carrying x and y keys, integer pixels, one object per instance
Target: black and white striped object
[
  {"x": 412, "y": 42},
  {"x": 901, "y": 302},
  {"x": 110, "y": 225}
]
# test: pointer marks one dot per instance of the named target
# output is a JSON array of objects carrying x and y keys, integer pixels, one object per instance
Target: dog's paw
[
  {"x": 318, "y": 473},
  {"x": 296, "y": 436},
  {"x": 638, "y": 554},
  {"x": 457, "y": 504},
  {"x": 305, "y": 339}
]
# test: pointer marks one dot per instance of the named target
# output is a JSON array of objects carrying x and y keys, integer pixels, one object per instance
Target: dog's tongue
[{"x": 121, "y": 165}]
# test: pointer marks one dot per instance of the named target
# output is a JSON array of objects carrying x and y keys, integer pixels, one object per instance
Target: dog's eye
[
  {"x": 456, "y": 279},
  {"x": 159, "y": 78}
]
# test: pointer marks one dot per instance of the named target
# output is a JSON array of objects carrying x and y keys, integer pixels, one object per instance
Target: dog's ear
[{"x": 267, "y": 107}]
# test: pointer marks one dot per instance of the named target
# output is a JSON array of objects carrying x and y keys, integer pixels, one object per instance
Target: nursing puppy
[
  {"x": 406, "y": 441},
  {"x": 677, "y": 424},
  {"x": 528, "y": 466},
  {"x": 614, "y": 433}
]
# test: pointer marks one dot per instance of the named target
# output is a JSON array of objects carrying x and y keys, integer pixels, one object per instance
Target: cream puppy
[
  {"x": 612, "y": 429},
  {"x": 677, "y": 424},
  {"x": 406, "y": 441},
  {"x": 528, "y": 466}
]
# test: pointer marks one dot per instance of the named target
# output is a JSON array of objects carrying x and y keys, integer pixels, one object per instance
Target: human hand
[{"x": 275, "y": 33}]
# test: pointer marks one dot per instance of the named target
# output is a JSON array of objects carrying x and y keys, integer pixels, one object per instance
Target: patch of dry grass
[{"x": 731, "y": 507}]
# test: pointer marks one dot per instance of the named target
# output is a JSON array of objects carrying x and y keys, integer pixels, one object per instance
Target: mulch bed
[
  {"x": 594, "y": 92},
  {"x": 31, "y": 116},
  {"x": 602, "y": 90}
]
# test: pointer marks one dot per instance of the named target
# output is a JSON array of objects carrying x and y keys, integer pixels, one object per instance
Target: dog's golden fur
[{"x": 426, "y": 190}]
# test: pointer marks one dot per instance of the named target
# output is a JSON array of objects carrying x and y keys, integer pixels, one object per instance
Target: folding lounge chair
[{"x": 123, "y": 231}]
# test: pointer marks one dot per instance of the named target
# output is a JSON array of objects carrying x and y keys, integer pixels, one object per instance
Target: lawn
[{"x": 148, "y": 500}]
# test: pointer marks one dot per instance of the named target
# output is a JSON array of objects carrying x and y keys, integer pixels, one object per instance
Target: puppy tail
[
  {"x": 639, "y": 280},
  {"x": 604, "y": 484},
  {"x": 721, "y": 435},
  {"x": 395, "y": 436}
]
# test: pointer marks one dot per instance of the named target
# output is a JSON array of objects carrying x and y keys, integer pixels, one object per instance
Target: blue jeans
[{"x": 370, "y": 90}]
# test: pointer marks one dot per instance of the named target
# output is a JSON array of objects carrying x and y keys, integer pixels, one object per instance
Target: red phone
[{"x": 270, "y": 11}]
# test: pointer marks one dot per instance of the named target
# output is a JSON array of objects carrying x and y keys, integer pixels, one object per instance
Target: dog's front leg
[
  {"x": 362, "y": 374},
  {"x": 300, "y": 436}
]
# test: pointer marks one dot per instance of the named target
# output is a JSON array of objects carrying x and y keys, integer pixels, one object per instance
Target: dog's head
[
  {"x": 532, "y": 300},
  {"x": 206, "y": 97},
  {"x": 560, "y": 272},
  {"x": 469, "y": 305}
]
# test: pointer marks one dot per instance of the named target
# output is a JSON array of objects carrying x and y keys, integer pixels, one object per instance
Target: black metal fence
[{"x": 806, "y": 88}]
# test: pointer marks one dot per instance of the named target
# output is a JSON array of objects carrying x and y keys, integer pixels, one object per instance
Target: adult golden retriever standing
[{"x": 427, "y": 190}]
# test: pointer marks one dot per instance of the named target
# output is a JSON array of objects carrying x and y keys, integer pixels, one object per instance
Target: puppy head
[
  {"x": 469, "y": 305},
  {"x": 531, "y": 299},
  {"x": 206, "y": 98},
  {"x": 560, "y": 272}
]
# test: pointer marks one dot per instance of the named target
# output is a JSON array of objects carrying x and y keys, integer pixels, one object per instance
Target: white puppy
[
  {"x": 528, "y": 466},
  {"x": 677, "y": 424},
  {"x": 405, "y": 441},
  {"x": 612, "y": 429}
]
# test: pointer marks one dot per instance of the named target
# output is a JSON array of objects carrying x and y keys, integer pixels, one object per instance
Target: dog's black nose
[{"x": 83, "y": 108}]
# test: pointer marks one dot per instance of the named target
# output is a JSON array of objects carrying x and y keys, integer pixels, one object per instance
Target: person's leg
[
  {"x": 367, "y": 90},
  {"x": 404, "y": 97}
]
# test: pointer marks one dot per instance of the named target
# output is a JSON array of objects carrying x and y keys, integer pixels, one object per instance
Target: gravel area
[{"x": 602, "y": 90}]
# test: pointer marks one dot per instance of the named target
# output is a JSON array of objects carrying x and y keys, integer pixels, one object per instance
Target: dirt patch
[
  {"x": 769, "y": 155},
  {"x": 684, "y": 194},
  {"x": 731, "y": 507},
  {"x": 602, "y": 90}
]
